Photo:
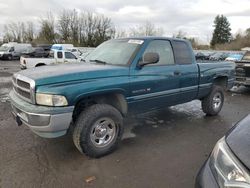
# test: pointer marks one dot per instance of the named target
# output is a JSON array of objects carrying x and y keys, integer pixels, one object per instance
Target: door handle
[{"x": 177, "y": 73}]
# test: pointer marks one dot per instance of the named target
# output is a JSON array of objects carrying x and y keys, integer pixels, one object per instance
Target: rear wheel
[
  {"x": 9, "y": 57},
  {"x": 98, "y": 130},
  {"x": 40, "y": 64},
  {"x": 212, "y": 104}
]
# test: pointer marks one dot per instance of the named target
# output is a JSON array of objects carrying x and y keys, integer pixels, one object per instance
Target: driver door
[{"x": 155, "y": 85}]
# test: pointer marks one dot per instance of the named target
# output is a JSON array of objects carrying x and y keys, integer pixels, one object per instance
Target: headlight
[
  {"x": 51, "y": 100},
  {"x": 227, "y": 169}
]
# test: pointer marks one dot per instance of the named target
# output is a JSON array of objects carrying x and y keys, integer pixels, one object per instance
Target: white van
[{"x": 13, "y": 50}]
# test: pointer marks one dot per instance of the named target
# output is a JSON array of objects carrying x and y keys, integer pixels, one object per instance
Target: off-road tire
[
  {"x": 85, "y": 123},
  {"x": 208, "y": 102}
]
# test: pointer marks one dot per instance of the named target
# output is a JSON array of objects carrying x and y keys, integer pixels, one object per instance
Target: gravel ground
[{"x": 163, "y": 148}]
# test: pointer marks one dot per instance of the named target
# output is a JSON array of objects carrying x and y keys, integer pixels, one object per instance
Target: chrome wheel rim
[
  {"x": 103, "y": 132},
  {"x": 217, "y": 100}
]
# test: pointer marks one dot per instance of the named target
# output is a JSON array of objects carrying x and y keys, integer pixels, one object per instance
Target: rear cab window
[
  {"x": 182, "y": 53},
  {"x": 59, "y": 55}
]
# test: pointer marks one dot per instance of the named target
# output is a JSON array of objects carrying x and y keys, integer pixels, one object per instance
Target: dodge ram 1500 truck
[{"x": 119, "y": 76}]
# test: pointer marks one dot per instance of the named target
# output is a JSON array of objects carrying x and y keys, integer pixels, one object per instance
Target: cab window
[
  {"x": 164, "y": 49},
  {"x": 69, "y": 55},
  {"x": 59, "y": 55}
]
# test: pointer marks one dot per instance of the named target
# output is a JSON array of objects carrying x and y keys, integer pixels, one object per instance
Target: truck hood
[
  {"x": 239, "y": 141},
  {"x": 53, "y": 74}
]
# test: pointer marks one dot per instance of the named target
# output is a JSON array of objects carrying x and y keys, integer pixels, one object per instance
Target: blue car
[{"x": 234, "y": 57}]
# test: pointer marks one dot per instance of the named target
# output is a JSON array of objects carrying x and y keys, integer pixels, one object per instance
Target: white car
[
  {"x": 55, "y": 57},
  {"x": 75, "y": 51}
]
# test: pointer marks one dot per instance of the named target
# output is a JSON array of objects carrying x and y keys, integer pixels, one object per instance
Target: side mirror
[{"x": 149, "y": 58}]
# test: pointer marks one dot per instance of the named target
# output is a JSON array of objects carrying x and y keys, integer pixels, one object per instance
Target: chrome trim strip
[
  {"x": 189, "y": 88},
  {"x": 168, "y": 92}
]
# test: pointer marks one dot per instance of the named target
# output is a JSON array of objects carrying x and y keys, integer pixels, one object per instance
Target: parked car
[
  {"x": 202, "y": 56},
  {"x": 120, "y": 76},
  {"x": 35, "y": 52},
  {"x": 45, "y": 47},
  {"x": 243, "y": 70},
  {"x": 55, "y": 57},
  {"x": 234, "y": 57},
  {"x": 75, "y": 51},
  {"x": 229, "y": 163},
  {"x": 13, "y": 50},
  {"x": 219, "y": 56}
]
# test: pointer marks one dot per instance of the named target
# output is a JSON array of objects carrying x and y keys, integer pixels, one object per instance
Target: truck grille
[{"x": 22, "y": 86}]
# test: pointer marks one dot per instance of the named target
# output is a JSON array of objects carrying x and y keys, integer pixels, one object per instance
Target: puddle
[
  {"x": 4, "y": 98},
  {"x": 5, "y": 79},
  {"x": 4, "y": 91},
  {"x": 4, "y": 95},
  {"x": 190, "y": 108},
  {"x": 236, "y": 94}
]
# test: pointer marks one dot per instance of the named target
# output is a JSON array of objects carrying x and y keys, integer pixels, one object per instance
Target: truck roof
[{"x": 154, "y": 37}]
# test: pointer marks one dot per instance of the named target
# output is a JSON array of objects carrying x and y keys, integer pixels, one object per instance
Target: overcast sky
[{"x": 194, "y": 17}]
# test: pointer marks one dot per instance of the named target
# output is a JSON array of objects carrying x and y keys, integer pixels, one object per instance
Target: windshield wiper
[{"x": 98, "y": 61}]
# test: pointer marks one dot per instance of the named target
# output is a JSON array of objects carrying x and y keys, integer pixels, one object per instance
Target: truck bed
[{"x": 209, "y": 70}]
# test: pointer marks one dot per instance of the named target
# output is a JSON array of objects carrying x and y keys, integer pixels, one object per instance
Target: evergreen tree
[{"x": 222, "y": 31}]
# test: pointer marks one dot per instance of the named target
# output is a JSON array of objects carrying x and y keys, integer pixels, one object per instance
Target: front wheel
[
  {"x": 212, "y": 104},
  {"x": 98, "y": 130}
]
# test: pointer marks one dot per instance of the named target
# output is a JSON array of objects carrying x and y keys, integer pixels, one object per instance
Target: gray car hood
[{"x": 238, "y": 139}]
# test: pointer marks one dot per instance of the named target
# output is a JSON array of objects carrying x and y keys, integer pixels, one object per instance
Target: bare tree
[
  {"x": 28, "y": 32},
  {"x": 181, "y": 35},
  {"x": 47, "y": 32},
  {"x": 84, "y": 28},
  {"x": 64, "y": 25},
  {"x": 14, "y": 31},
  {"x": 146, "y": 29},
  {"x": 104, "y": 29},
  {"x": 120, "y": 33},
  {"x": 74, "y": 27}
]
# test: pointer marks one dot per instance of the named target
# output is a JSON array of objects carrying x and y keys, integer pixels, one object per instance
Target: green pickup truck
[{"x": 119, "y": 77}]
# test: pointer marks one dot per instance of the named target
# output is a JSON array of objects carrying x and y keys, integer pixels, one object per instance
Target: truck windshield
[
  {"x": 115, "y": 52},
  {"x": 4, "y": 48}
]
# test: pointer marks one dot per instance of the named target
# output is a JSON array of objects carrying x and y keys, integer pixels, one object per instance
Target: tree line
[
  {"x": 79, "y": 28},
  {"x": 91, "y": 29}
]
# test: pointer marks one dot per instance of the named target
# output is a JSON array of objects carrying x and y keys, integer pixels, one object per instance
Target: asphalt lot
[{"x": 160, "y": 149}]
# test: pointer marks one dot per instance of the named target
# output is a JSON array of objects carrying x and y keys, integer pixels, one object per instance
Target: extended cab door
[
  {"x": 155, "y": 85},
  {"x": 188, "y": 70}
]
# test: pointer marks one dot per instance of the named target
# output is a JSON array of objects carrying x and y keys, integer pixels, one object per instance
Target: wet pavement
[{"x": 160, "y": 149}]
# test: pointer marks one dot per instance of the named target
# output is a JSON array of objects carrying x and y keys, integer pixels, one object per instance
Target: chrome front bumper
[{"x": 48, "y": 122}]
